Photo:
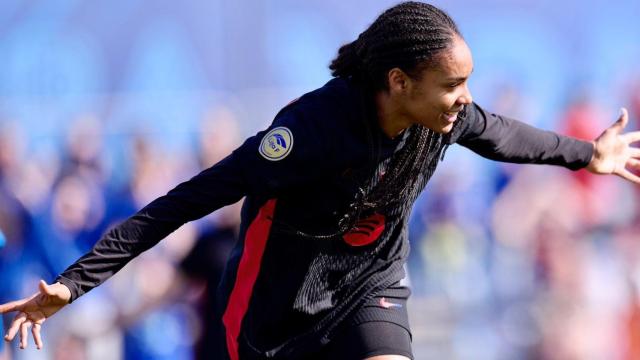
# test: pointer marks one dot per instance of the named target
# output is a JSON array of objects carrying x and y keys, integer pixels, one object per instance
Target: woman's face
[{"x": 435, "y": 99}]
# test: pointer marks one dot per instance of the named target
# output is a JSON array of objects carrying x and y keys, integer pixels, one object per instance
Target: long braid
[{"x": 409, "y": 36}]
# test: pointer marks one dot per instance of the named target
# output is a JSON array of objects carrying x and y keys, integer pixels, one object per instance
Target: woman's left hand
[{"x": 613, "y": 153}]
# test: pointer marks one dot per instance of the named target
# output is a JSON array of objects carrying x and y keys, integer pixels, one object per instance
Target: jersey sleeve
[
  {"x": 500, "y": 138},
  {"x": 293, "y": 150}
]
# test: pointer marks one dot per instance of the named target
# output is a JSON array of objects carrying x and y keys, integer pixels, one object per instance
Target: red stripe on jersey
[{"x": 255, "y": 241}]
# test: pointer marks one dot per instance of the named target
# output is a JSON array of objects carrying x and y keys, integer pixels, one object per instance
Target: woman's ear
[{"x": 398, "y": 80}]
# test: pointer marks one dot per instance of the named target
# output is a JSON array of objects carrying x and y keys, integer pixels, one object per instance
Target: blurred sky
[{"x": 156, "y": 66}]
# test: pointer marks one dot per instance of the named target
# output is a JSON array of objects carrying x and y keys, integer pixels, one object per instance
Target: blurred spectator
[
  {"x": 199, "y": 272},
  {"x": 15, "y": 225},
  {"x": 219, "y": 135},
  {"x": 84, "y": 150},
  {"x": 71, "y": 222},
  {"x": 152, "y": 274},
  {"x": 584, "y": 119}
]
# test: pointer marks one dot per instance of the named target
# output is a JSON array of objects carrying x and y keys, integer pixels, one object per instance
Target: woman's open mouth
[{"x": 450, "y": 117}]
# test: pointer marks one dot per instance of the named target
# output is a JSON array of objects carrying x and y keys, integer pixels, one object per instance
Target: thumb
[
  {"x": 45, "y": 289},
  {"x": 622, "y": 122}
]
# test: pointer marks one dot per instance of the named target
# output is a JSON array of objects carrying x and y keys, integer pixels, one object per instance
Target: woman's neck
[{"x": 390, "y": 117}]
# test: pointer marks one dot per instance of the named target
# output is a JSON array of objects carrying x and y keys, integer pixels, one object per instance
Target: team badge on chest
[{"x": 277, "y": 144}]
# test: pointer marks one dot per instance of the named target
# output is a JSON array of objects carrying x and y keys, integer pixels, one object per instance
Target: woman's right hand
[{"x": 34, "y": 310}]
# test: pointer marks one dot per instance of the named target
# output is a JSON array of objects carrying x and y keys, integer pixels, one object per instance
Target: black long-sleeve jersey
[{"x": 285, "y": 291}]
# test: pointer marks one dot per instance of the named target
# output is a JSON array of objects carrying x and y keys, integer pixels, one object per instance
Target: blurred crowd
[
  {"x": 507, "y": 262},
  {"x": 53, "y": 211},
  {"x": 528, "y": 262}
]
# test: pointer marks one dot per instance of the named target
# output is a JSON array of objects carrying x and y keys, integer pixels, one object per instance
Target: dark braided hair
[{"x": 409, "y": 36}]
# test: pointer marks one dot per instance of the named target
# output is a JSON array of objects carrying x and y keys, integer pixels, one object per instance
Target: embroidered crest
[{"x": 276, "y": 144}]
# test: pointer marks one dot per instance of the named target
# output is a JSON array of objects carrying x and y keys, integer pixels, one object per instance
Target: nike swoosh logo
[{"x": 387, "y": 305}]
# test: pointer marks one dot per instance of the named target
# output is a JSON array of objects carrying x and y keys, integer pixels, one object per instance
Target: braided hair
[{"x": 410, "y": 36}]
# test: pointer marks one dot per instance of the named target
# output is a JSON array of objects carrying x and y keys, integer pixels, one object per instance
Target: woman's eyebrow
[{"x": 460, "y": 78}]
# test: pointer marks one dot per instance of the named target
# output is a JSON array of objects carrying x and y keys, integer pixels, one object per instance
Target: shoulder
[
  {"x": 322, "y": 119},
  {"x": 331, "y": 105}
]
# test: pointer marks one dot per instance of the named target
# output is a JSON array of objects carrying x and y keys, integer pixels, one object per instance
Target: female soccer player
[{"x": 329, "y": 187}]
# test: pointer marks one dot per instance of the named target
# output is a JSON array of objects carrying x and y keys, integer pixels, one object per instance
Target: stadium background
[{"x": 106, "y": 105}]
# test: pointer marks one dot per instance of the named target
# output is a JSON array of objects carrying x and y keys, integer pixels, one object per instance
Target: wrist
[
  {"x": 64, "y": 291},
  {"x": 591, "y": 165}
]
